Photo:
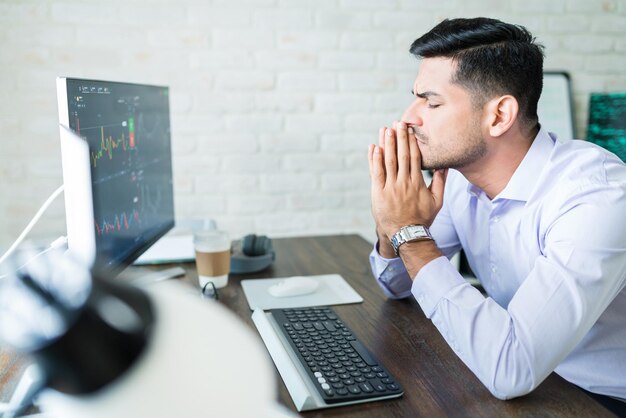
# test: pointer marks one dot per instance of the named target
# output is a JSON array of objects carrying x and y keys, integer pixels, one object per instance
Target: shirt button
[
  {"x": 494, "y": 268},
  {"x": 496, "y": 219}
]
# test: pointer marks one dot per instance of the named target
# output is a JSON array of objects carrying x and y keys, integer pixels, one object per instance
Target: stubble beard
[{"x": 472, "y": 148}]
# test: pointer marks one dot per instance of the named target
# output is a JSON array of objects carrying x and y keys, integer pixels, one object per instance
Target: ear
[{"x": 501, "y": 114}]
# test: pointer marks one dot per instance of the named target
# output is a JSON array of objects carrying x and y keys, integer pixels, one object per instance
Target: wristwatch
[{"x": 410, "y": 233}]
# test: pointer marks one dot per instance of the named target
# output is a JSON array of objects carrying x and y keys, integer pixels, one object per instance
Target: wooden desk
[{"x": 435, "y": 381}]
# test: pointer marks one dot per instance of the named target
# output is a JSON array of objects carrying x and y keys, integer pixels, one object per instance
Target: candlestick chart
[{"x": 128, "y": 134}]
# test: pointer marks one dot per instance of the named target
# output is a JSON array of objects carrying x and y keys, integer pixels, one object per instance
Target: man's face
[{"x": 446, "y": 123}]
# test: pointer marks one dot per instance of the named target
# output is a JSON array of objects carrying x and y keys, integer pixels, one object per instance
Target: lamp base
[{"x": 201, "y": 361}]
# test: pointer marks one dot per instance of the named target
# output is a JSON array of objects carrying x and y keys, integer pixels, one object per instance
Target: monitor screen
[
  {"x": 127, "y": 203},
  {"x": 607, "y": 122}
]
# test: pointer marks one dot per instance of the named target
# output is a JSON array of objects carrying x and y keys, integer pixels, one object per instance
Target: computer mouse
[{"x": 293, "y": 286}]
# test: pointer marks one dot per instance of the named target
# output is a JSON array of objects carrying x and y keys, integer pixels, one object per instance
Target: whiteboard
[{"x": 555, "y": 109}]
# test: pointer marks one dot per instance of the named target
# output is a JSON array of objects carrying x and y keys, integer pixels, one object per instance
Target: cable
[
  {"x": 32, "y": 223},
  {"x": 59, "y": 242}
]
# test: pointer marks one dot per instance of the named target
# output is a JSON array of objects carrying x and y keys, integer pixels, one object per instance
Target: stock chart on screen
[{"x": 127, "y": 128}]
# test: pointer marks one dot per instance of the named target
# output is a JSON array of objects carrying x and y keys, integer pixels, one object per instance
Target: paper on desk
[
  {"x": 169, "y": 249},
  {"x": 177, "y": 244},
  {"x": 332, "y": 290}
]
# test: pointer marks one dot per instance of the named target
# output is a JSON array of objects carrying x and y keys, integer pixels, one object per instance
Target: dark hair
[{"x": 492, "y": 57}]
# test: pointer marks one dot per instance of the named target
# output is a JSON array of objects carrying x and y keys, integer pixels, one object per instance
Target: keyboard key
[
  {"x": 365, "y": 355},
  {"x": 366, "y": 388},
  {"x": 354, "y": 389},
  {"x": 379, "y": 387}
]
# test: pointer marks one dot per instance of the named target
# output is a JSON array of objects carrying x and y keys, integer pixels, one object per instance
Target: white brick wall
[{"x": 273, "y": 101}]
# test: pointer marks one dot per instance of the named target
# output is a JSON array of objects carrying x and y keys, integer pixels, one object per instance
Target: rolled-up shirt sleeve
[{"x": 391, "y": 275}]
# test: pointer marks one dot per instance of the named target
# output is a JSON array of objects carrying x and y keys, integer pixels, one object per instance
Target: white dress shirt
[{"x": 550, "y": 252}]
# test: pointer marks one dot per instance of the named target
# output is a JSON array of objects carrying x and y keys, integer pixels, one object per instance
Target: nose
[{"x": 412, "y": 115}]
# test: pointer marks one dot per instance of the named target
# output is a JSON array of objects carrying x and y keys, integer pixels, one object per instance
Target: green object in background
[{"x": 607, "y": 122}]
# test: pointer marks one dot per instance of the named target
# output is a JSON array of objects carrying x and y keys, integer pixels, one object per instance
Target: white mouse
[{"x": 293, "y": 286}]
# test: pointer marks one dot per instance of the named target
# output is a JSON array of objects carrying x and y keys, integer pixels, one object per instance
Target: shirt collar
[{"x": 525, "y": 177}]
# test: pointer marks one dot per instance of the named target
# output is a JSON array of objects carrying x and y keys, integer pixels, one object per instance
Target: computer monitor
[
  {"x": 607, "y": 122},
  {"x": 117, "y": 169}
]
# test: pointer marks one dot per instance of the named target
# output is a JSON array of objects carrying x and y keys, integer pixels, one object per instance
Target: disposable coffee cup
[{"x": 212, "y": 257}]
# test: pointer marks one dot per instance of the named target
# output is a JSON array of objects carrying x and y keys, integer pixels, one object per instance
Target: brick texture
[{"x": 274, "y": 102}]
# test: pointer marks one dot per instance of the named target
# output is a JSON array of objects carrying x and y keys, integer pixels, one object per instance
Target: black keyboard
[{"x": 338, "y": 364}]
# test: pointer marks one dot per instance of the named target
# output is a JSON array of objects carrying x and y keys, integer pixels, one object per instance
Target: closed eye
[{"x": 426, "y": 96}]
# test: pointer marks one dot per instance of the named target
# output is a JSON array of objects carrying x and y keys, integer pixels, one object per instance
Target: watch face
[
  {"x": 416, "y": 230},
  {"x": 409, "y": 233},
  {"x": 413, "y": 232}
]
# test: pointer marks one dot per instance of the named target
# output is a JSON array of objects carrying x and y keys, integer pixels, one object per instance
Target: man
[{"x": 542, "y": 221}]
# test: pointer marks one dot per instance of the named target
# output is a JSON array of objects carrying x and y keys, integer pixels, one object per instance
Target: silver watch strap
[{"x": 410, "y": 233}]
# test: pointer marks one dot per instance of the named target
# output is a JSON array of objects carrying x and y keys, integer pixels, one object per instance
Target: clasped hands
[{"x": 400, "y": 195}]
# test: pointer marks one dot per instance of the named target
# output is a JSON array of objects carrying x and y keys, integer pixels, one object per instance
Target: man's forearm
[{"x": 417, "y": 254}]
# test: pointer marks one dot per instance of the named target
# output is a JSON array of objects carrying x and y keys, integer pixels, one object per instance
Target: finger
[
  {"x": 370, "y": 158},
  {"x": 378, "y": 170},
  {"x": 391, "y": 159},
  {"x": 381, "y": 140},
  {"x": 404, "y": 168},
  {"x": 415, "y": 157},
  {"x": 437, "y": 186}
]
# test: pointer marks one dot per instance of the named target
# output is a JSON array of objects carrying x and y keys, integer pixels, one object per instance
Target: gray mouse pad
[{"x": 332, "y": 290}]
